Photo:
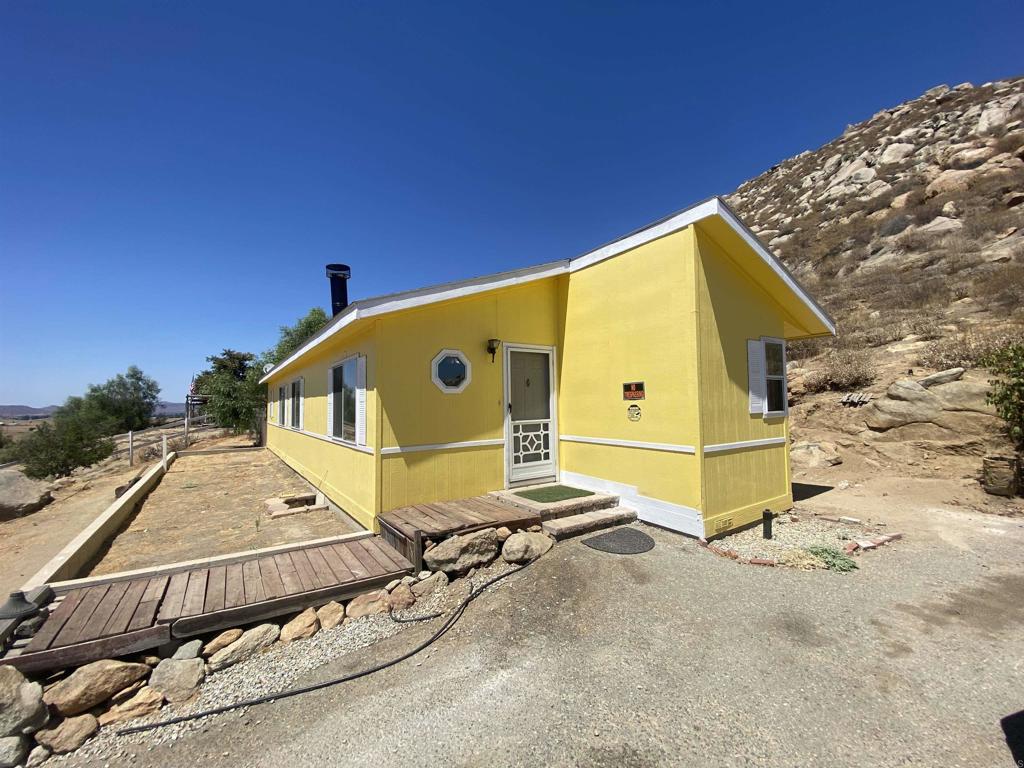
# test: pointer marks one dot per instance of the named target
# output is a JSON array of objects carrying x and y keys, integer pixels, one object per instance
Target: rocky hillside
[{"x": 909, "y": 228}]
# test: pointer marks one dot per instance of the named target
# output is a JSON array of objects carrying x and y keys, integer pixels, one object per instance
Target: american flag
[{"x": 192, "y": 385}]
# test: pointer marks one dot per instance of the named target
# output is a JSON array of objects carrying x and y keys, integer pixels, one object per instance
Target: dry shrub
[
  {"x": 804, "y": 349},
  {"x": 967, "y": 350},
  {"x": 841, "y": 370},
  {"x": 1004, "y": 284}
]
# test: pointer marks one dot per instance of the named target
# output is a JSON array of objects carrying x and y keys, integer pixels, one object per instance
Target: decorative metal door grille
[{"x": 531, "y": 442}]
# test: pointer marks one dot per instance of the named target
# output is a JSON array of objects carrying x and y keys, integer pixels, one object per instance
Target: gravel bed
[
  {"x": 275, "y": 670},
  {"x": 788, "y": 536}
]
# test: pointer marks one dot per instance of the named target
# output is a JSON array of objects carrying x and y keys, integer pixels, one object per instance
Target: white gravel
[{"x": 788, "y": 536}]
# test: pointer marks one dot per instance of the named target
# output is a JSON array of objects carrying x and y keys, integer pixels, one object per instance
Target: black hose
[{"x": 448, "y": 624}]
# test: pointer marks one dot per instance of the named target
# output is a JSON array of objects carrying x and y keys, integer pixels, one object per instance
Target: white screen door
[{"x": 531, "y": 453}]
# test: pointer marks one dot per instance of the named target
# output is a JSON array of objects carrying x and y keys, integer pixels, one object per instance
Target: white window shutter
[
  {"x": 330, "y": 402},
  {"x": 361, "y": 400},
  {"x": 755, "y": 375},
  {"x": 302, "y": 402}
]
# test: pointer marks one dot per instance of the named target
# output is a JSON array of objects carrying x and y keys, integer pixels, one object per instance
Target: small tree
[
  {"x": 1007, "y": 393},
  {"x": 236, "y": 399},
  {"x": 128, "y": 400},
  {"x": 56, "y": 450}
]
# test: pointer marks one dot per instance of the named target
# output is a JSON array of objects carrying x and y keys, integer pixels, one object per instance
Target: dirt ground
[{"x": 213, "y": 505}]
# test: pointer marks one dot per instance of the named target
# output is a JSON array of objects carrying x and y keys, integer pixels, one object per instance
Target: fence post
[
  {"x": 165, "y": 452},
  {"x": 131, "y": 449},
  {"x": 186, "y": 429}
]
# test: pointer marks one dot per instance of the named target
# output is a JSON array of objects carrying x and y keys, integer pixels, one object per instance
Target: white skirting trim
[
  {"x": 677, "y": 517},
  {"x": 768, "y": 441},
  {"x": 671, "y": 447},
  {"x": 396, "y": 449}
]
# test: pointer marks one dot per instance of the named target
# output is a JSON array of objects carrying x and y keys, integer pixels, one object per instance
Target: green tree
[
  {"x": 1007, "y": 393},
  {"x": 294, "y": 336},
  {"x": 125, "y": 402},
  {"x": 55, "y": 450},
  {"x": 236, "y": 398}
]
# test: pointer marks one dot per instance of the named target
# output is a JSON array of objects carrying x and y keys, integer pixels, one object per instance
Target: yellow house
[{"x": 652, "y": 367}]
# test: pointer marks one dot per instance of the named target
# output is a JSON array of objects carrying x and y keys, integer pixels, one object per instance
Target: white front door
[{"x": 531, "y": 437}]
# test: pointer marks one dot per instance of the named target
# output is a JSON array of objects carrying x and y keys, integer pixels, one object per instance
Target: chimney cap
[{"x": 339, "y": 270}]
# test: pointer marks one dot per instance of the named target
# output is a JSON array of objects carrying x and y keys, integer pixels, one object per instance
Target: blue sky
[{"x": 174, "y": 176}]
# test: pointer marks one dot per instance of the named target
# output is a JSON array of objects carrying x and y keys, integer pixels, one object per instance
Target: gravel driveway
[{"x": 678, "y": 657}]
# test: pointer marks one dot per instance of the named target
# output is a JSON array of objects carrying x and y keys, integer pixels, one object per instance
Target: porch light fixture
[{"x": 492, "y": 347}]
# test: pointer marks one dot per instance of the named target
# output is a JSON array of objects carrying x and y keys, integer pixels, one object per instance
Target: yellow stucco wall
[
  {"x": 416, "y": 413},
  {"x": 345, "y": 475},
  {"x": 739, "y": 483},
  {"x": 631, "y": 318}
]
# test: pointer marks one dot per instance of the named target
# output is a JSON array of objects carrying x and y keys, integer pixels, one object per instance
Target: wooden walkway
[
  {"x": 122, "y": 617},
  {"x": 409, "y": 528}
]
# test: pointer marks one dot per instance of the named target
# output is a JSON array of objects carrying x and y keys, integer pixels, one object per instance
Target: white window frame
[
  {"x": 437, "y": 380},
  {"x": 765, "y": 340},
  {"x": 360, "y": 389},
  {"x": 290, "y": 387},
  {"x": 282, "y": 404}
]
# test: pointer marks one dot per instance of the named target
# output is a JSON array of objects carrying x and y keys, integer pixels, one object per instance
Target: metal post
[
  {"x": 165, "y": 452},
  {"x": 766, "y": 523},
  {"x": 131, "y": 449}
]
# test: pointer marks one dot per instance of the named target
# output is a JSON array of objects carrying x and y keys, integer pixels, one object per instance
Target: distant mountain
[{"x": 28, "y": 412}]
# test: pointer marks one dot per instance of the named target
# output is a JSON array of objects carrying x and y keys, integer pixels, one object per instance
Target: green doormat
[{"x": 552, "y": 493}]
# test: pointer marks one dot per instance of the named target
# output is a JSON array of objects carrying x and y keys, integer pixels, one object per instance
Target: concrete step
[
  {"x": 558, "y": 509},
  {"x": 576, "y": 525}
]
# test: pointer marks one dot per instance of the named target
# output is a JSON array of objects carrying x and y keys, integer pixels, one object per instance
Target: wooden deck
[
  {"x": 128, "y": 616},
  {"x": 409, "y": 528}
]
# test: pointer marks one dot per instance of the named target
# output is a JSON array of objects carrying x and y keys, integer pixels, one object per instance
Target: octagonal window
[{"x": 450, "y": 371}]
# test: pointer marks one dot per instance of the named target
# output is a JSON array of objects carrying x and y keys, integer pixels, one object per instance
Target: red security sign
[{"x": 633, "y": 390}]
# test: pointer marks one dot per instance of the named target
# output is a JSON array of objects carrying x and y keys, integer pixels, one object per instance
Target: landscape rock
[
  {"x": 13, "y": 750},
  {"x": 503, "y": 533},
  {"x": 969, "y": 159},
  {"x": 999, "y": 475},
  {"x": 92, "y": 684},
  {"x": 996, "y": 116},
  {"x": 896, "y": 152},
  {"x": 401, "y": 597},
  {"x": 22, "y": 710},
  {"x": 37, "y": 756},
  {"x": 964, "y": 395},
  {"x": 952, "y": 182},
  {"x": 131, "y": 690},
  {"x": 245, "y": 646},
  {"x": 306, "y": 624},
  {"x": 429, "y": 584},
  {"x": 189, "y": 650},
  {"x": 20, "y": 495},
  {"x": 392, "y": 584},
  {"x": 941, "y": 225},
  {"x": 330, "y": 615},
  {"x": 458, "y": 554},
  {"x": 368, "y": 604},
  {"x": 815, "y": 454},
  {"x": 147, "y": 701},
  {"x": 942, "y": 377},
  {"x": 178, "y": 679},
  {"x": 69, "y": 734},
  {"x": 523, "y": 547},
  {"x": 223, "y": 640}
]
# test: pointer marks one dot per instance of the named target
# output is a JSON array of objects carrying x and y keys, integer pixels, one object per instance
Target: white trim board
[
  {"x": 677, "y": 517},
  {"x": 763, "y": 443},
  {"x": 670, "y": 447},
  {"x": 332, "y": 440},
  {"x": 393, "y": 450}
]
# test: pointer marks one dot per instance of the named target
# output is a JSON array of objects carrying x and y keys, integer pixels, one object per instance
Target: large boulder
[
  {"x": 813, "y": 455},
  {"x": 458, "y": 554},
  {"x": 427, "y": 585},
  {"x": 22, "y": 710},
  {"x": 20, "y": 495},
  {"x": 13, "y": 750},
  {"x": 306, "y": 624},
  {"x": 896, "y": 152},
  {"x": 905, "y": 402},
  {"x": 91, "y": 685},
  {"x": 145, "y": 702},
  {"x": 245, "y": 646},
  {"x": 994, "y": 117},
  {"x": 223, "y": 640},
  {"x": 964, "y": 396},
  {"x": 523, "y": 547},
  {"x": 942, "y": 377},
  {"x": 178, "y": 679},
  {"x": 330, "y": 615},
  {"x": 368, "y": 604},
  {"x": 69, "y": 734}
]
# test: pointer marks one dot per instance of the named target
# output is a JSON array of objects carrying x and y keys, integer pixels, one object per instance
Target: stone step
[
  {"x": 558, "y": 509},
  {"x": 576, "y": 525}
]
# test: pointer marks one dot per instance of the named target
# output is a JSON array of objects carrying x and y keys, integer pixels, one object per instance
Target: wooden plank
[
  {"x": 80, "y": 617},
  {"x": 174, "y": 597},
  {"x": 216, "y": 582},
  {"x": 56, "y": 621},
  {"x": 463, "y": 514},
  {"x": 254, "y": 590},
  {"x": 444, "y": 515},
  {"x": 234, "y": 586},
  {"x": 93, "y": 629},
  {"x": 289, "y": 578},
  {"x": 152, "y": 599},
  {"x": 322, "y": 571},
  {"x": 155, "y": 588},
  {"x": 195, "y": 592},
  {"x": 272, "y": 582},
  {"x": 380, "y": 557},
  {"x": 233, "y": 617},
  {"x": 119, "y": 619},
  {"x": 371, "y": 566},
  {"x": 337, "y": 565},
  {"x": 399, "y": 524},
  {"x": 82, "y": 653},
  {"x": 304, "y": 570},
  {"x": 423, "y": 523},
  {"x": 401, "y": 562},
  {"x": 351, "y": 562}
]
